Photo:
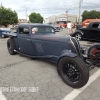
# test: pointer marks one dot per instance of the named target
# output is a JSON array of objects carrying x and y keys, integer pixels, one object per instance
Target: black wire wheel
[
  {"x": 73, "y": 71},
  {"x": 11, "y": 46},
  {"x": 78, "y": 36}
]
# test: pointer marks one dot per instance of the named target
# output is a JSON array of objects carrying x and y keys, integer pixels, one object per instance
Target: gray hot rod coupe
[{"x": 40, "y": 41}]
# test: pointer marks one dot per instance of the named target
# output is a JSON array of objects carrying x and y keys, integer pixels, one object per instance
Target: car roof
[
  {"x": 4, "y": 30},
  {"x": 34, "y": 24},
  {"x": 93, "y": 23}
]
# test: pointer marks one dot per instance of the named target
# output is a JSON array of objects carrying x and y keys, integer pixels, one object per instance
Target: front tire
[
  {"x": 78, "y": 36},
  {"x": 73, "y": 71},
  {"x": 11, "y": 46}
]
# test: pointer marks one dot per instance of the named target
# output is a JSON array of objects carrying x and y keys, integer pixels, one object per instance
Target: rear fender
[{"x": 15, "y": 42}]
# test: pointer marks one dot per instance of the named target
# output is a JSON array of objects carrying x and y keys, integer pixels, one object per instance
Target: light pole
[
  {"x": 67, "y": 15},
  {"x": 26, "y": 14},
  {"x": 80, "y": 2}
]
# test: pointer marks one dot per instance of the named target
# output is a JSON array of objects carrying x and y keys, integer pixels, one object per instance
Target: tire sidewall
[
  {"x": 12, "y": 44},
  {"x": 83, "y": 71}
]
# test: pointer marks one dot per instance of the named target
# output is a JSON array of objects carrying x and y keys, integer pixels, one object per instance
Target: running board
[{"x": 46, "y": 56}]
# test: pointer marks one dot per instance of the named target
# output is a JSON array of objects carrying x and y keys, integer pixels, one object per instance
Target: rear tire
[
  {"x": 11, "y": 46},
  {"x": 73, "y": 71}
]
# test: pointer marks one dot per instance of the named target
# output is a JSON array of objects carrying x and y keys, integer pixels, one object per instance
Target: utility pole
[
  {"x": 67, "y": 15},
  {"x": 80, "y": 2},
  {"x": 26, "y": 14},
  {"x": 1, "y": 4}
]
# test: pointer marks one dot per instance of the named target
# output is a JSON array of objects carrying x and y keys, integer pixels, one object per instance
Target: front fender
[
  {"x": 77, "y": 31},
  {"x": 67, "y": 53}
]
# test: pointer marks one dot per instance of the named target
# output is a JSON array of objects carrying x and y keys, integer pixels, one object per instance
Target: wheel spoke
[
  {"x": 78, "y": 36},
  {"x": 70, "y": 70}
]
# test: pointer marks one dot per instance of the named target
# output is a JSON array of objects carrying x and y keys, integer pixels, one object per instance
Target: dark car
[
  {"x": 91, "y": 32},
  {"x": 57, "y": 28},
  {"x": 2, "y": 33},
  {"x": 40, "y": 41}
]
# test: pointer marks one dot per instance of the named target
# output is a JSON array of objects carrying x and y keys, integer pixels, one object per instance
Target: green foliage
[
  {"x": 35, "y": 18},
  {"x": 7, "y": 16},
  {"x": 90, "y": 15}
]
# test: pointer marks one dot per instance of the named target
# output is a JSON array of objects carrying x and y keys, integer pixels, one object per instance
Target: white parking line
[
  {"x": 2, "y": 97},
  {"x": 76, "y": 92}
]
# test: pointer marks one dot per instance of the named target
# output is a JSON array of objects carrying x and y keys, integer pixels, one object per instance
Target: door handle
[{"x": 28, "y": 39}]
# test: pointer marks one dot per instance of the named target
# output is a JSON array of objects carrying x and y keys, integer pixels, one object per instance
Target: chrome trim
[
  {"x": 73, "y": 45},
  {"x": 78, "y": 44}
]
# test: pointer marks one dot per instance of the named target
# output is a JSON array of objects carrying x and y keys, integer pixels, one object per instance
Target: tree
[
  {"x": 7, "y": 16},
  {"x": 90, "y": 14},
  {"x": 35, "y": 18}
]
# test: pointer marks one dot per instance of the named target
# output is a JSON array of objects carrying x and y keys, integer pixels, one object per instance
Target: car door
[
  {"x": 40, "y": 40},
  {"x": 95, "y": 31},
  {"x": 46, "y": 43},
  {"x": 24, "y": 41},
  {"x": 86, "y": 32}
]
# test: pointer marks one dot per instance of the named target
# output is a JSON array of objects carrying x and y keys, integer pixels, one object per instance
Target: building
[
  {"x": 22, "y": 21},
  {"x": 62, "y": 17}
]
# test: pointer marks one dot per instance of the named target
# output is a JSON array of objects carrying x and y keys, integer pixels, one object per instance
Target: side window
[
  {"x": 95, "y": 25},
  {"x": 42, "y": 30},
  {"x": 99, "y": 26},
  {"x": 23, "y": 31},
  {"x": 49, "y": 30}
]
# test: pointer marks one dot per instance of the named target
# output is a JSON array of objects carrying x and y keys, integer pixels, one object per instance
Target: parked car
[
  {"x": 64, "y": 24},
  {"x": 40, "y": 41},
  {"x": 87, "y": 21},
  {"x": 61, "y": 24},
  {"x": 4, "y": 31},
  {"x": 57, "y": 28},
  {"x": 91, "y": 32}
]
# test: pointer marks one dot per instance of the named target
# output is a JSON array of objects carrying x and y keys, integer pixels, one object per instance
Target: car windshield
[{"x": 43, "y": 30}]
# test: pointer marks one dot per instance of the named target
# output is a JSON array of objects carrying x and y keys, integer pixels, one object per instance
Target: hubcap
[
  {"x": 78, "y": 36},
  {"x": 2, "y": 35},
  {"x": 71, "y": 72}
]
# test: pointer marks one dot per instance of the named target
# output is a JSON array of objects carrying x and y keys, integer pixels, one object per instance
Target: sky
[{"x": 48, "y": 8}]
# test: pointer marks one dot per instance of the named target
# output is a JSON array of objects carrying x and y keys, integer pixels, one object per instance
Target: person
[{"x": 69, "y": 27}]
